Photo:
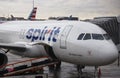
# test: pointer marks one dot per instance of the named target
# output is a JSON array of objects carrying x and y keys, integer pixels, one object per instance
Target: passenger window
[
  {"x": 87, "y": 37},
  {"x": 107, "y": 37},
  {"x": 97, "y": 36},
  {"x": 81, "y": 36}
]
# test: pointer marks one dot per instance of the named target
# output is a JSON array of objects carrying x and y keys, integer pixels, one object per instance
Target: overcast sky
[{"x": 82, "y": 8}]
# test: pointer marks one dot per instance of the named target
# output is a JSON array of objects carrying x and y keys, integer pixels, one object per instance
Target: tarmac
[{"x": 69, "y": 70}]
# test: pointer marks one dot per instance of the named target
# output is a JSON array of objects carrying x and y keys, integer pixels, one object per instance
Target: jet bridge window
[
  {"x": 81, "y": 36},
  {"x": 87, "y": 36},
  {"x": 97, "y": 36},
  {"x": 107, "y": 37}
]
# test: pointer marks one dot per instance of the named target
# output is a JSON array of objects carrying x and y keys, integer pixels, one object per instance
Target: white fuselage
[{"x": 62, "y": 36}]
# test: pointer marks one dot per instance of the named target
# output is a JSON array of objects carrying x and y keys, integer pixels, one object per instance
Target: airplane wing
[{"x": 18, "y": 47}]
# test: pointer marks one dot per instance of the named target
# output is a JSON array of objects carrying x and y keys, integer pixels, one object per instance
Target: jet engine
[{"x": 3, "y": 61}]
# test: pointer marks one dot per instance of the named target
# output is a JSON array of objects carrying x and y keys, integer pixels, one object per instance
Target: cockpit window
[
  {"x": 81, "y": 36},
  {"x": 97, "y": 36},
  {"x": 90, "y": 36},
  {"x": 107, "y": 37},
  {"x": 87, "y": 37}
]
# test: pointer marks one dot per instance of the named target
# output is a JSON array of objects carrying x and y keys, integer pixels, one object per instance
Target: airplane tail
[{"x": 32, "y": 15}]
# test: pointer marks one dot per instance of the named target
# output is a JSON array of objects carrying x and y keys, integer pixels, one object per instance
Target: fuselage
[{"x": 72, "y": 41}]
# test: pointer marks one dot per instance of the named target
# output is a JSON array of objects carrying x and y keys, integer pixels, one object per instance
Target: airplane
[
  {"x": 77, "y": 42},
  {"x": 32, "y": 15}
]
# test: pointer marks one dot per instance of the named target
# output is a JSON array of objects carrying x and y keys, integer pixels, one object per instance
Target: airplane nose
[{"x": 109, "y": 54}]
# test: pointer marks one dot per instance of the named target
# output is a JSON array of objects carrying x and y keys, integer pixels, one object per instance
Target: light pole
[{"x": 33, "y": 3}]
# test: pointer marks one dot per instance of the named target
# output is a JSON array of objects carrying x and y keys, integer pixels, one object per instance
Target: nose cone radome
[{"x": 109, "y": 54}]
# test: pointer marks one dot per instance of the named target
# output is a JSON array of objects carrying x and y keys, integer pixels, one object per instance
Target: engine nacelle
[{"x": 3, "y": 61}]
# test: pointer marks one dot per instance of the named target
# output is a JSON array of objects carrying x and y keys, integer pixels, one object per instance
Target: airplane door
[{"x": 64, "y": 35}]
